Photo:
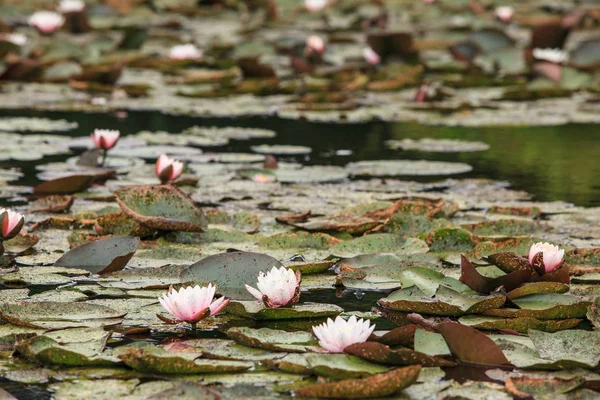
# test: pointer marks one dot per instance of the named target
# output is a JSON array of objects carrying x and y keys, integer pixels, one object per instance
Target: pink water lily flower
[
  {"x": 12, "y": 222},
  {"x": 504, "y": 13},
  {"x": 185, "y": 52},
  {"x": 46, "y": 21},
  {"x": 168, "y": 169},
  {"x": 315, "y": 44},
  {"x": 278, "y": 287},
  {"x": 192, "y": 304},
  {"x": 71, "y": 6},
  {"x": 371, "y": 56},
  {"x": 262, "y": 178},
  {"x": 105, "y": 139},
  {"x": 315, "y": 5},
  {"x": 335, "y": 336},
  {"x": 553, "y": 256}
]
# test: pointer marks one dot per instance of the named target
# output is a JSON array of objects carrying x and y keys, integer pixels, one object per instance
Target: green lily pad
[
  {"x": 161, "y": 207},
  {"x": 449, "y": 239},
  {"x": 576, "y": 347},
  {"x": 298, "y": 240},
  {"x": 431, "y": 343},
  {"x": 437, "y": 145},
  {"x": 230, "y": 271},
  {"x": 504, "y": 227},
  {"x": 26, "y": 124},
  {"x": 274, "y": 340},
  {"x": 390, "y": 168},
  {"x": 101, "y": 256},
  {"x": 519, "y": 324},
  {"x": 445, "y": 302},
  {"x": 334, "y": 366},
  {"x": 469, "y": 345},
  {"x": 382, "y": 243},
  {"x": 524, "y": 386},
  {"x": 538, "y": 287},
  {"x": 256, "y": 310},
  {"x": 544, "y": 306},
  {"x": 281, "y": 149}
]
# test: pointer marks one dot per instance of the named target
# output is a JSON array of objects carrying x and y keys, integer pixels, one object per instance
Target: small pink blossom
[
  {"x": 429, "y": 1},
  {"x": 315, "y": 43},
  {"x": 278, "y": 288},
  {"x": 185, "y": 52},
  {"x": 192, "y": 304},
  {"x": 105, "y": 139},
  {"x": 315, "y": 5},
  {"x": 504, "y": 13},
  {"x": 371, "y": 56},
  {"x": 12, "y": 222},
  {"x": 71, "y": 6},
  {"x": 168, "y": 169},
  {"x": 46, "y": 21},
  {"x": 335, "y": 336},
  {"x": 262, "y": 178},
  {"x": 552, "y": 255}
]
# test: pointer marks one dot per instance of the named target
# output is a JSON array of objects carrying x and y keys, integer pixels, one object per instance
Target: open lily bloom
[
  {"x": 192, "y": 304},
  {"x": 371, "y": 56},
  {"x": 262, "y": 178},
  {"x": 71, "y": 6},
  {"x": 168, "y": 169},
  {"x": 552, "y": 255},
  {"x": 556, "y": 56},
  {"x": 12, "y": 222},
  {"x": 504, "y": 13},
  {"x": 46, "y": 21},
  {"x": 278, "y": 287},
  {"x": 185, "y": 52},
  {"x": 315, "y": 44},
  {"x": 315, "y": 5},
  {"x": 335, "y": 336},
  {"x": 105, "y": 139}
]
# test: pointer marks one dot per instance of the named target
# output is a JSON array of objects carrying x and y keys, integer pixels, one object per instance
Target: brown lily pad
[
  {"x": 375, "y": 386},
  {"x": 482, "y": 284},
  {"x": 161, "y": 207},
  {"x": 65, "y": 185},
  {"x": 380, "y": 353},
  {"x": 469, "y": 345},
  {"x": 52, "y": 204},
  {"x": 21, "y": 243}
]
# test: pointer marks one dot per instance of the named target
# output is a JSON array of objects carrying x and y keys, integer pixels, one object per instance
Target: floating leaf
[
  {"x": 482, "y": 284},
  {"x": 519, "y": 324},
  {"x": 161, "y": 207},
  {"x": 469, "y": 345},
  {"x": 335, "y": 366},
  {"x": 376, "y": 386},
  {"x": 544, "y": 306},
  {"x": 274, "y": 340},
  {"x": 256, "y": 310},
  {"x": 382, "y": 243},
  {"x": 230, "y": 271},
  {"x": 406, "y": 168},
  {"x": 102, "y": 256},
  {"x": 65, "y": 185},
  {"x": 380, "y": 353}
]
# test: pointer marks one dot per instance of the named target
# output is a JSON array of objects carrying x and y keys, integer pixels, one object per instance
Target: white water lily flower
[
  {"x": 552, "y": 255},
  {"x": 315, "y": 5},
  {"x": 335, "y": 336},
  {"x": 278, "y": 287},
  {"x": 315, "y": 43},
  {"x": 46, "y": 21},
  {"x": 504, "y": 13},
  {"x": 166, "y": 174},
  {"x": 556, "y": 56},
  {"x": 185, "y": 52},
  {"x": 192, "y": 304},
  {"x": 105, "y": 139},
  {"x": 70, "y": 6}
]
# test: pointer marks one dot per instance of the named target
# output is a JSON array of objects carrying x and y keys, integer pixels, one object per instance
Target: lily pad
[
  {"x": 382, "y": 243},
  {"x": 519, "y": 324},
  {"x": 256, "y": 310},
  {"x": 273, "y": 340},
  {"x": 380, "y": 353},
  {"x": 161, "y": 207},
  {"x": 437, "y": 145},
  {"x": 544, "y": 306},
  {"x": 101, "y": 256},
  {"x": 406, "y": 168}
]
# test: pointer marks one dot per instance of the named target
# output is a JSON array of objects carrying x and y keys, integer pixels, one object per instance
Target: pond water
[{"x": 550, "y": 162}]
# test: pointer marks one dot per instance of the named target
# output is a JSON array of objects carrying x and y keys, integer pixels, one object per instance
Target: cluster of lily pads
[
  {"x": 441, "y": 62},
  {"x": 303, "y": 282}
]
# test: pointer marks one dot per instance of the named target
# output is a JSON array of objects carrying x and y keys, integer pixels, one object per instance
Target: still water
[{"x": 551, "y": 163}]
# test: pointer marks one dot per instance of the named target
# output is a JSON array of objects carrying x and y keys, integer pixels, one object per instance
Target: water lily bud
[
  {"x": 192, "y": 304},
  {"x": 315, "y": 5},
  {"x": 105, "y": 139},
  {"x": 371, "y": 56},
  {"x": 504, "y": 13},
  {"x": 335, "y": 336},
  {"x": 315, "y": 44},
  {"x": 46, "y": 21},
  {"x": 553, "y": 256},
  {"x": 278, "y": 288},
  {"x": 12, "y": 222},
  {"x": 168, "y": 169}
]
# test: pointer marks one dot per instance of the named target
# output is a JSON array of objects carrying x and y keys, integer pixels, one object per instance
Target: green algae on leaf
[
  {"x": 257, "y": 311},
  {"x": 519, "y": 324},
  {"x": 380, "y": 353},
  {"x": 390, "y": 168},
  {"x": 544, "y": 306},
  {"x": 382, "y": 243},
  {"x": 273, "y": 339},
  {"x": 333, "y": 366}
]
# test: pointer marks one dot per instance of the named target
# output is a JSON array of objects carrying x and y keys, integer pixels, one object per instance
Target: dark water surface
[{"x": 552, "y": 163}]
